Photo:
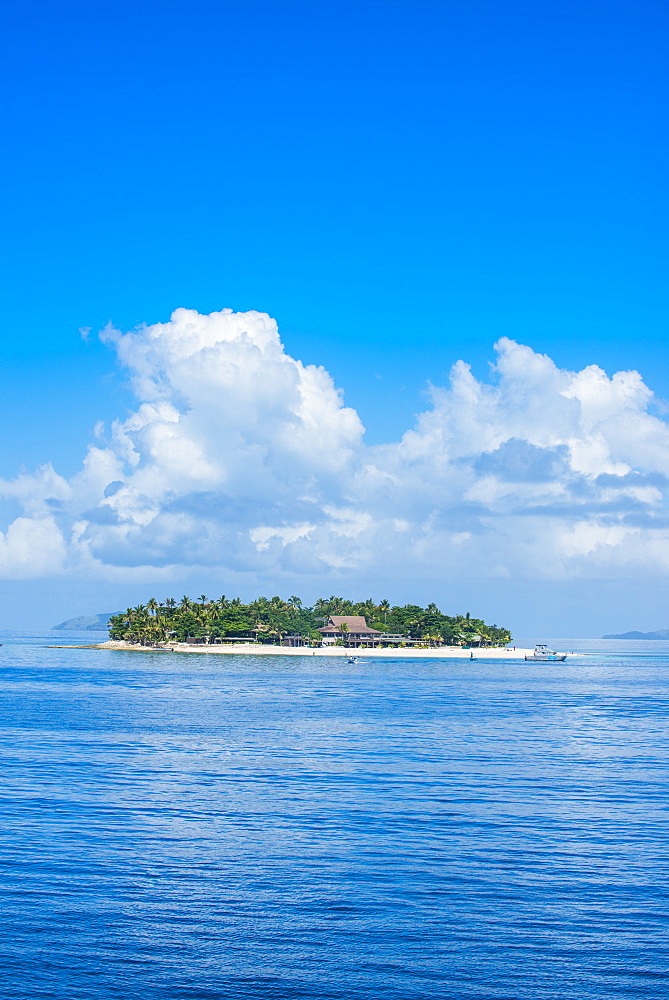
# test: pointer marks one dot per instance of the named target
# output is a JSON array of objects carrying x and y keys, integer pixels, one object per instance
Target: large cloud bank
[{"x": 240, "y": 458}]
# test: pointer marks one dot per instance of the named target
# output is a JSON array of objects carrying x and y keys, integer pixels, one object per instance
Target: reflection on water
[{"x": 214, "y": 826}]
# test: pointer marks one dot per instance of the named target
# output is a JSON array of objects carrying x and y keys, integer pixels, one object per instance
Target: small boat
[
  {"x": 353, "y": 659},
  {"x": 546, "y": 655}
]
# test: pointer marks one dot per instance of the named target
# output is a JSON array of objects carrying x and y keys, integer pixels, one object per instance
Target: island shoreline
[{"x": 259, "y": 649}]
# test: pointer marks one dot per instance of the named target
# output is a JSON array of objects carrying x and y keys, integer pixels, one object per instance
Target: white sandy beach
[{"x": 258, "y": 649}]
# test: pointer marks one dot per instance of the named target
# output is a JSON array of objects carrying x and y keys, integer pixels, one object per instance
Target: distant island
[
  {"x": 662, "y": 633},
  {"x": 274, "y": 621},
  {"x": 86, "y": 623}
]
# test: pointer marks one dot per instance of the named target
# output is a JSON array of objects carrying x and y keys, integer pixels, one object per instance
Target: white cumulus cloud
[{"x": 240, "y": 458}]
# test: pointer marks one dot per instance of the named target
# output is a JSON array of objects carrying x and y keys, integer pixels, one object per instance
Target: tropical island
[{"x": 330, "y": 623}]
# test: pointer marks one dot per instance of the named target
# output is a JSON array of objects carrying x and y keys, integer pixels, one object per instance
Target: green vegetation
[{"x": 270, "y": 619}]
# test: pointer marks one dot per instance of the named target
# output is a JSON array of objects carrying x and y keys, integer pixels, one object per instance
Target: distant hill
[
  {"x": 87, "y": 623},
  {"x": 662, "y": 633}
]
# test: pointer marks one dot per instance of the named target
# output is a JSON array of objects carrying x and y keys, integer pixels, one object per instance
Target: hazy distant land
[
  {"x": 85, "y": 623},
  {"x": 662, "y": 633}
]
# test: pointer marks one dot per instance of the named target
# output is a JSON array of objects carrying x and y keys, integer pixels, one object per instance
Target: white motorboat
[{"x": 546, "y": 655}]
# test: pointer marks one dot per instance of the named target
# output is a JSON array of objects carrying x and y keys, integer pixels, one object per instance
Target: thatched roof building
[{"x": 355, "y": 628}]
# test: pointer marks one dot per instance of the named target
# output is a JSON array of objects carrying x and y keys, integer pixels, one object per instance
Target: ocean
[{"x": 196, "y": 827}]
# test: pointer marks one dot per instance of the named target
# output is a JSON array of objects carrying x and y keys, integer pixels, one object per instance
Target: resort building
[{"x": 353, "y": 630}]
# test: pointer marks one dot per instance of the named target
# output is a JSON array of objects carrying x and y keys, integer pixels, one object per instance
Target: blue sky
[{"x": 398, "y": 185}]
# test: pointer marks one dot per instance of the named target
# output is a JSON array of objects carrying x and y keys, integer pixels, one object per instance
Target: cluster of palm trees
[{"x": 269, "y": 620}]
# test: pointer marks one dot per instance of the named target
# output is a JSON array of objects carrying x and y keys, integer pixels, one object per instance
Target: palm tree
[
  {"x": 161, "y": 622},
  {"x": 434, "y": 636},
  {"x": 412, "y": 624},
  {"x": 139, "y": 613},
  {"x": 277, "y": 628}
]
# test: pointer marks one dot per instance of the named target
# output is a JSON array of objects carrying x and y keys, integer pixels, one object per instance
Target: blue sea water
[{"x": 197, "y": 827}]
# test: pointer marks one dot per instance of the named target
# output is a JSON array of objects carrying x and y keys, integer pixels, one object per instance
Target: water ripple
[{"x": 235, "y": 827}]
